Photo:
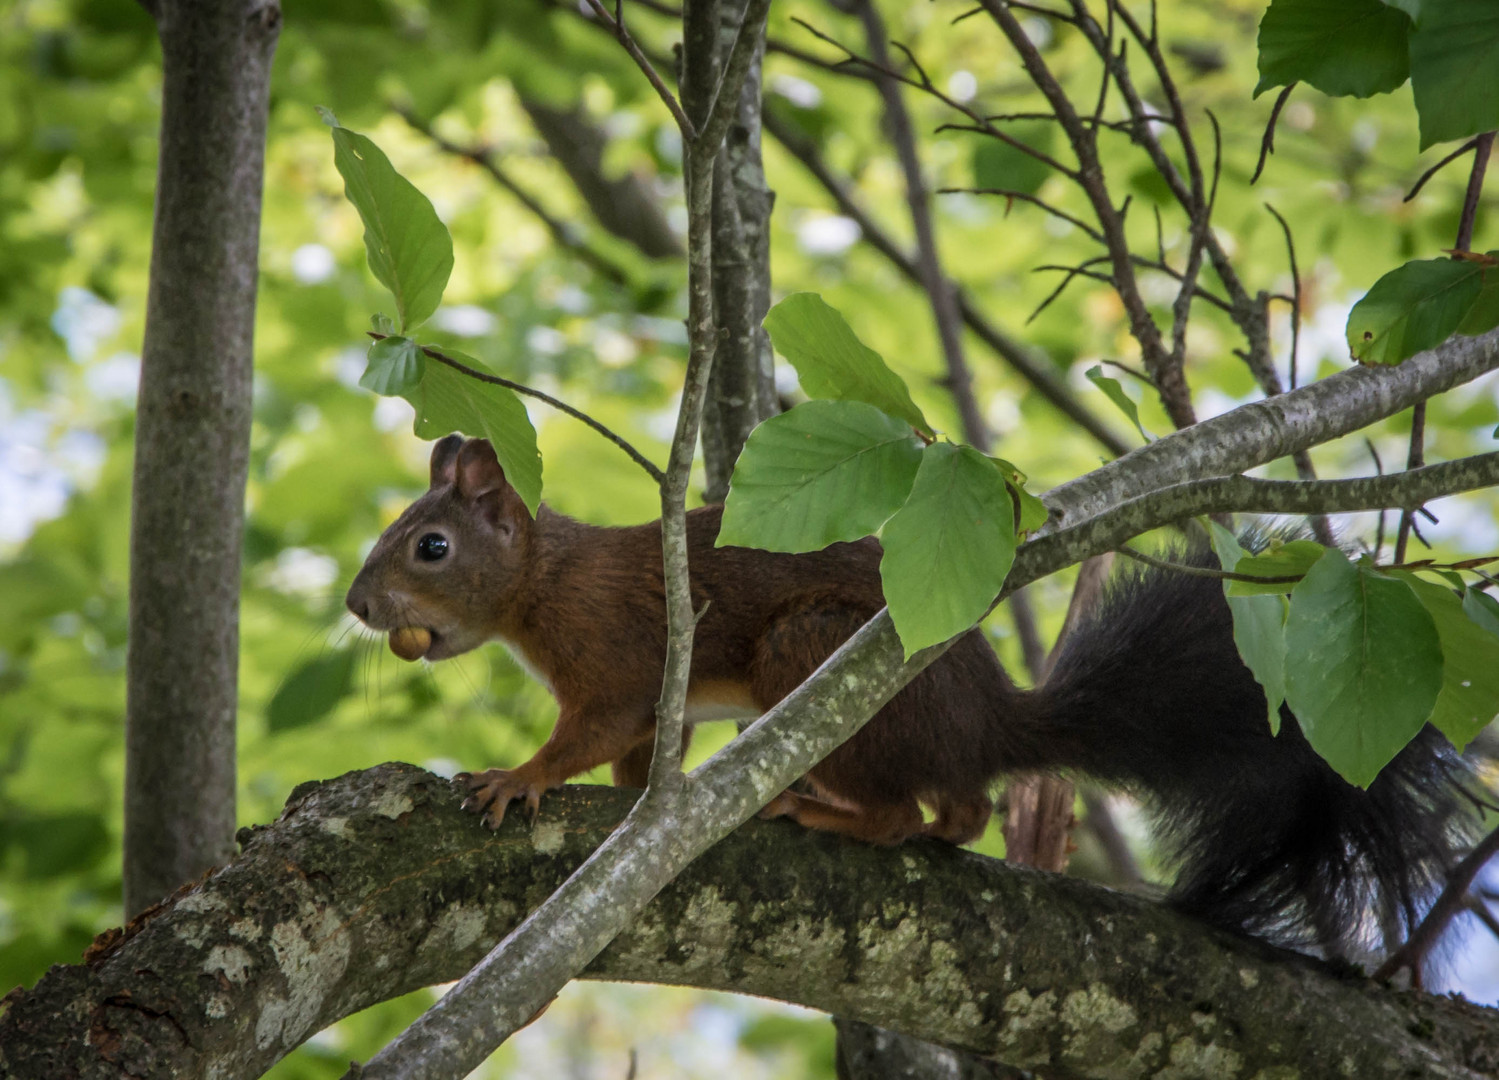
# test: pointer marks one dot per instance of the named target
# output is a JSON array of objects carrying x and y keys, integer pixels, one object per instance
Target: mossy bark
[{"x": 373, "y": 884}]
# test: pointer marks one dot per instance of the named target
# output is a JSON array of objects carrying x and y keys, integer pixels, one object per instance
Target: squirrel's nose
[{"x": 358, "y": 603}]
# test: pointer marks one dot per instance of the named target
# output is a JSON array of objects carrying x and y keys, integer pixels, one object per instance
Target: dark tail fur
[{"x": 1151, "y": 694}]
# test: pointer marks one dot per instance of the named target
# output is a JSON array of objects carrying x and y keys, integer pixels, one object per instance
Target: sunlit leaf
[
  {"x": 823, "y": 472},
  {"x": 1414, "y": 307},
  {"x": 409, "y": 248},
  {"x": 1469, "y": 698},
  {"x": 1291, "y": 558},
  {"x": 948, "y": 549},
  {"x": 447, "y": 400},
  {"x": 1363, "y": 665},
  {"x": 1259, "y": 628},
  {"x": 395, "y": 366},
  {"x": 832, "y": 362}
]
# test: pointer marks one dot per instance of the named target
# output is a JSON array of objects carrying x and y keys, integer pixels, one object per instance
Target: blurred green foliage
[{"x": 331, "y": 464}]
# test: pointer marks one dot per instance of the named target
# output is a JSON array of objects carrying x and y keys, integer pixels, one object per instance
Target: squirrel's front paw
[
  {"x": 783, "y": 805},
  {"x": 494, "y": 789}
]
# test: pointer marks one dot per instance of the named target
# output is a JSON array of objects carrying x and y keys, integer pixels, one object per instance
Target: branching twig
[
  {"x": 631, "y": 46},
  {"x": 565, "y": 235},
  {"x": 561, "y": 406},
  {"x": 1295, "y": 291},
  {"x": 1454, "y": 898}
]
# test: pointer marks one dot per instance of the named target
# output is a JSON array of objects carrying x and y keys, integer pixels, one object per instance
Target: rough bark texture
[
  {"x": 192, "y": 441},
  {"x": 741, "y": 386},
  {"x": 374, "y": 884}
]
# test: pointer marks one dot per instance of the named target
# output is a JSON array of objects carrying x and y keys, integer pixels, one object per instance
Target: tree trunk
[{"x": 192, "y": 443}]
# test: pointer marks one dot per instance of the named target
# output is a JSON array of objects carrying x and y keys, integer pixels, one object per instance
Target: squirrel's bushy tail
[{"x": 1150, "y": 693}]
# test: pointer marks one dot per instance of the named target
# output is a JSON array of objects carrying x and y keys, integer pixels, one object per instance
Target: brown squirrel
[{"x": 1149, "y": 694}]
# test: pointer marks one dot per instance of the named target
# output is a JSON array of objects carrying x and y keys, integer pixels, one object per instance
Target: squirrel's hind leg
[
  {"x": 960, "y": 821},
  {"x": 884, "y": 824}
]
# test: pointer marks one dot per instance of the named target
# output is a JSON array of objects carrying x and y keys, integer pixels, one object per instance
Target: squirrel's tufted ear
[{"x": 445, "y": 460}]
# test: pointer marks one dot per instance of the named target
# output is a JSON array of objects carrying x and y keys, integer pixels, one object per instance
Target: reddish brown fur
[{"x": 585, "y": 607}]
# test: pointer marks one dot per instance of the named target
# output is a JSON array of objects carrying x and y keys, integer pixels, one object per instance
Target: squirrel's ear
[
  {"x": 481, "y": 481},
  {"x": 445, "y": 460}
]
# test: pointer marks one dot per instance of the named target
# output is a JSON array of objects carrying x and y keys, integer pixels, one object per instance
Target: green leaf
[
  {"x": 997, "y": 164},
  {"x": 311, "y": 692},
  {"x": 409, "y": 249},
  {"x": 381, "y": 323},
  {"x": 1414, "y": 307},
  {"x": 447, "y": 400},
  {"x": 1469, "y": 698},
  {"x": 1031, "y": 512},
  {"x": 1483, "y": 609},
  {"x": 1410, "y": 7},
  {"x": 832, "y": 362},
  {"x": 1483, "y": 316},
  {"x": 1281, "y": 559},
  {"x": 396, "y": 366},
  {"x": 948, "y": 549},
  {"x": 1363, "y": 665},
  {"x": 825, "y": 471},
  {"x": 1454, "y": 53},
  {"x": 1342, "y": 47},
  {"x": 1117, "y": 395},
  {"x": 1259, "y": 628}
]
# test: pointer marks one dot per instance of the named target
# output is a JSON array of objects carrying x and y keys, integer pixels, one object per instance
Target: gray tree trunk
[
  {"x": 192, "y": 443},
  {"x": 741, "y": 387}
]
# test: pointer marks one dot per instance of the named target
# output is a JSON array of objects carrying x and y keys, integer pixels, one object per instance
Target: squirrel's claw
[{"x": 493, "y": 791}]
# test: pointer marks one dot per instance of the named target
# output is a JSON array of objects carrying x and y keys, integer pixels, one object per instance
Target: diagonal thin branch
[
  {"x": 561, "y": 406},
  {"x": 631, "y": 46}
]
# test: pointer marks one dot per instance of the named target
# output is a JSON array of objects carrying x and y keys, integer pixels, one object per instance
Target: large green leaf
[
  {"x": 1281, "y": 559},
  {"x": 1259, "y": 628},
  {"x": 1469, "y": 698},
  {"x": 395, "y": 366},
  {"x": 1414, "y": 307},
  {"x": 1483, "y": 316},
  {"x": 1454, "y": 54},
  {"x": 832, "y": 362},
  {"x": 1363, "y": 665},
  {"x": 823, "y": 472},
  {"x": 947, "y": 551},
  {"x": 409, "y": 248},
  {"x": 311, "y": 692},
  {"x": 1342, "y": 47},
  {"x": 447, "y": 400}
]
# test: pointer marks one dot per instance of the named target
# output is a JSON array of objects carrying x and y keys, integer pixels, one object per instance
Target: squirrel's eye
[{"x": 432, "y": 547}]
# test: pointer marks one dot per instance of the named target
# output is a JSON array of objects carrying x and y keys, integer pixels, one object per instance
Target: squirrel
[{"x": 1148, "y": 694}]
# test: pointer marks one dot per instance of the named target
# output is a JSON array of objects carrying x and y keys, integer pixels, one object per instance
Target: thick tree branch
[{"x": 375, "y": 884}]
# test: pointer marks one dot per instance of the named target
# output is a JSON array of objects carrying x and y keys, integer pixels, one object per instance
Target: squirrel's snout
[{"x": 358, "y": 602}]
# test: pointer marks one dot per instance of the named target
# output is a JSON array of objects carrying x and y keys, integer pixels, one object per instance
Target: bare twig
[
  {"x": 1295, "y": 291},
  {"x": 631, "y": 46},
  {"x": 1204, "y": 571},
  {"x": 940, "y": 292},
  {"x": 1466, "y": 147},
  {"x": 1267, "y": 142},
  {"x": 1454, "y": 898},
  {"x": 564, "y": 234},
  {"x": 561, "y": 406},
  {"x": 1036, "y": 371},
  {"x": 927, "y": 86}
]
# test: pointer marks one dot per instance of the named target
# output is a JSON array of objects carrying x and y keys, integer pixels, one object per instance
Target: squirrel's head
[{"x": 441, "y": 577}]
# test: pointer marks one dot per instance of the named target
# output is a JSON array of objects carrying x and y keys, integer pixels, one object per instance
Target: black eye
[{"x": 432, "y": 547}]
